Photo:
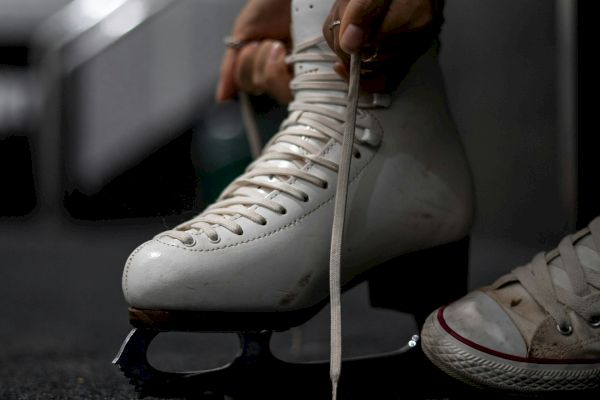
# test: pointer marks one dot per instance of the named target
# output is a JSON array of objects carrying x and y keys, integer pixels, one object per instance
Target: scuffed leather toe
[{"x": 164, "y": 275}]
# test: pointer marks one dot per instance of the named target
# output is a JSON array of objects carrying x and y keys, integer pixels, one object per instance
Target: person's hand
[
  {"x": 260, "y": 68},
  {"x": 386, "y": 33},
  {"x": 258, "y": 20}
]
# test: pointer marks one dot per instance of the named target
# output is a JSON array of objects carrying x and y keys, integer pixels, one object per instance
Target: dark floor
[{"x": 64, "y": 318}]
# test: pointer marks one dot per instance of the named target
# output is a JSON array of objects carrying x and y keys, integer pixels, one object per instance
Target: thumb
[{"x": 360, "y": 21}]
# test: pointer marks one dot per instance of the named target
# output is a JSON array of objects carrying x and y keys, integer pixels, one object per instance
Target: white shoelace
[
  {"x": 319, "y": 124},
  {"x": 302, "y": 139},
  {"x": 337, "y": 231},
  {"x": 556, "y": 301}
]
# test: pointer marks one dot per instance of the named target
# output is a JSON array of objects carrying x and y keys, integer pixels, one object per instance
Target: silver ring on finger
[
  {"x": 233, "y": 43},
  {"x": 334, "y": 24}
]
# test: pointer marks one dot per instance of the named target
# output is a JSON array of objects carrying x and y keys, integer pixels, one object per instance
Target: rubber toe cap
[{"x": 480, "y": 322}]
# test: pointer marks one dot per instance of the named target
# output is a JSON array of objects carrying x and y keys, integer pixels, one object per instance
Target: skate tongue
[
  {"x": 307, "y": 18},
  {"x": 307, "y": 24}
]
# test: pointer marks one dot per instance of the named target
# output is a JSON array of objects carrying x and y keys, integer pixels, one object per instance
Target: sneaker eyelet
[
  {"x": 357, "y": 155},
  {"x": 263, "y": 222},
  {"x": 564, "y": 329},
  {"x": 306, "y": 199},
  {"x": 283, "y": 212},
  {"x": 216, "y": 240},
  {"x": 325, "y": 185},
  {"x": 595, "y": 321},
  {"x": 240, "y": 232}
]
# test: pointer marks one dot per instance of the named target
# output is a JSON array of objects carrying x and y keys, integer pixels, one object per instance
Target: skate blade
[{"x": 254, "y": 373}]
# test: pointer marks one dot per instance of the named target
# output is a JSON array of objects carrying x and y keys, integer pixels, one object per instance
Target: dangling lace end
[
  {"x": 335, "y": 357},
  {"x": 337, "y": 231},
  {"x": 334, "y": 387},
  {"x": 250, "y": 125}
]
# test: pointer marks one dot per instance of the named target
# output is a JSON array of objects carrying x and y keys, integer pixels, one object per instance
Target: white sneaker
[
  {"x": 263, "y": 246},
  {"x": 536, "y": 329}
]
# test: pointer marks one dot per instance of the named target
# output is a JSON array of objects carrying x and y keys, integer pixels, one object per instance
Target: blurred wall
[
  {"x": 499, "y": 59},
  {"x": 18, "y": 18},
  {"x": 139, "y": 93}
]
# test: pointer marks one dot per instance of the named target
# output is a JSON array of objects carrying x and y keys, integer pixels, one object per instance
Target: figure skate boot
[
  {"x": 536, "y": 329},
  {"x": 256, "y": 261}
]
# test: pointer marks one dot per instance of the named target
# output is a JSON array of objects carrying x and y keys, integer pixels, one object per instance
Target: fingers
[
  {"x": 226, "y": 88},
  {"x": 389, "y": 34},
  {"x": 243, "y": 72},
  {"x": 372, "y": 21},
  {"x": 342, "y": 70},
  {"x": 360, "y": 22},
  {"x": 369, "y": 22},
  {"x": 278, "y": 75},
  {"x": 406, "y": 16},
  {"x": 331, "y": 32},
  {"x": 261, "y": 68},
  {"x": 258, "y": 19}
]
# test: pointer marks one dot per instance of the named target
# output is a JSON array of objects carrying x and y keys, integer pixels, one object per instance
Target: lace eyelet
[
  {"x": 283, "y": 212},
  {"x": 263, "y": 223},
  {"x": 325, "y": 185},
  {"x": 357, "y": 155},
  {"x": 216, "y": 240},
  {"x": 189, "y": 242},
  {"x": 240, "y": 232},
  {"x": 564, "y": 329},
  {"x": 306, "y": 199},
  {"x": 595, "y": 321}
]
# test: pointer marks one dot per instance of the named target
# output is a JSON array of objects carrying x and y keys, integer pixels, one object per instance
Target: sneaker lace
[{"x": 555, "y": 300}]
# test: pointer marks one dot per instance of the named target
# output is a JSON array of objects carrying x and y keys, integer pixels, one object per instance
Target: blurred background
[{"x": 109, "y": 134}]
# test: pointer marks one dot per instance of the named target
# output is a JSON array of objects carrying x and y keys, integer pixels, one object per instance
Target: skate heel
[{"x": 419, "y": 282}]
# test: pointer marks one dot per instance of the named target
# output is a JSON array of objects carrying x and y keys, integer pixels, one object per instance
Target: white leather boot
[{"x": 263, "y": 247}]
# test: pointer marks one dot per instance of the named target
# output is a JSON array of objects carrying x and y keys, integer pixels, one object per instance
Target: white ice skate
[{"x": 257, "y": 260}]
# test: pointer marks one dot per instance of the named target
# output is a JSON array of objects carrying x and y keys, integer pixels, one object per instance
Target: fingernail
[
  {"x": 352, "y": 39},
  {"x": 275, "y": 49}
]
